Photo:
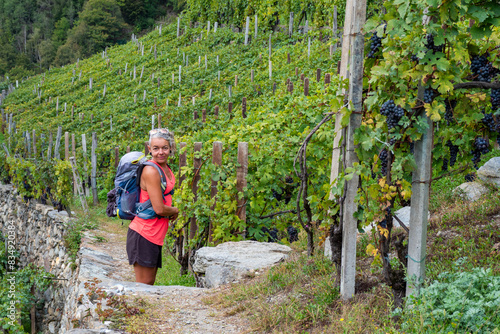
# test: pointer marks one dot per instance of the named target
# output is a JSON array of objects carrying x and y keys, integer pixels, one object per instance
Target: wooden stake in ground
[
  {"x": 352, "y": 56},
  {"x": 247, "y": 26},
  {"x": 216, "y": 112},
  {"x": 78, "y": 184},
  {"x": 290, "y": 24},
  {"x": 217, "y": 161},
  {"x": 241, "y": 180},
  {"x": 93, "y": 177},
  {"x": 193, "y": 227},
  {"x": 244, "y": 107},
  {"x": 306, "y": 86},
  {"x": 230, "y": 109},
  {"x": 58, "y": 143}
]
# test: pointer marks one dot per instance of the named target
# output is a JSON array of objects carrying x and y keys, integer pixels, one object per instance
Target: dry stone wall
[{"x": 39, "y": 231}]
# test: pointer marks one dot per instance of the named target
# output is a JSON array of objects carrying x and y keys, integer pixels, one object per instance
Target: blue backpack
[{"x": 127, "y": 188}]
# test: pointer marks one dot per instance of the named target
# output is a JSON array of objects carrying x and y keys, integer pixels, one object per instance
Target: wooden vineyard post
[
  {"x": 93, "y": 175},
  {"x": 146, "y": 148},
  {"x": 290, "y": 25},
  {"x": 66, "y": 146},
  {"x": 241, "y": 179},
  {"x": 247, "y": 26},
  {"x": 274, "y": 88},
  {"x": 296, "y": 71},
  {"x": 58, "y": 143},
  {"x": 78, "y": 183},
  {"x": 204, "y": 115},
  {"x": 34, "y": 143},
  {"x": 216, "y": 112},
  {"x": 181, "y": 241},
  {"x": 352, "y": 58},
  {"x": 195, "y": 114},
  {"x": 73, "y": 154},
  {"x": 128, "y": 149},
  {"x": 288, "y": 60},
  {"x": 49, "y": 149},
  {"x": 327, "y": 78},
  {"x": 251, "y": 75},
  {"x": 255, "y": 28},
  {"x": 159, "y": 121},
  {"x": 244, "y": 107},
  {"x": 217, "y": 161},
  {"x": 318, "y": 74},
  {"x": 86, "y": 176},
  {"x": 196, "y": 165},
  {"x": 230, "y": 109},
  {"x": 117, "y": 156},
  {"x": 306, "y": 86}
]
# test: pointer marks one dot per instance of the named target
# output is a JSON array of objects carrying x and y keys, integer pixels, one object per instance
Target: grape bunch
[
  {"x": 429, "y": 95},
  {"x": 431, "y": 46},
  {"x": 482, "y": 68},
  {"x": 277, "y": 195},
  {"x": 383, "y": 156},
  {"x": 376, "y": 43},
  {"x": 453, "y": 152},
  {"x": 495, "y": 98},
  {"x": 489, "y": 121},
  {"x": 450, "y": 106},
  {"x": 481, "y": 146},
  {"x": 392, "y": 112},
  {"x": 444, "y": 168},
  {"x": 293, "y": 234},
  {"x": 414, "y": 58}
]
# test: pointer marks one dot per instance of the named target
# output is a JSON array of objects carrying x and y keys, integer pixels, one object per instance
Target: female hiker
[{"x": 145, "y": 236}]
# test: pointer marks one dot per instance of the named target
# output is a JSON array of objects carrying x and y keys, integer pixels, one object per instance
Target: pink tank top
[{"x": 155, "y": 229}]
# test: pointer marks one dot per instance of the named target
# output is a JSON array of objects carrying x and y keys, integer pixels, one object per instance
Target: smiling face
[{"x": 160, "y": 150}]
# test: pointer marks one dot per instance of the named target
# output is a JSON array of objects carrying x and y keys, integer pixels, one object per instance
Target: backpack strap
[
  {"x": 163, "y": 177},
  {"x": 145, "y": 210}
]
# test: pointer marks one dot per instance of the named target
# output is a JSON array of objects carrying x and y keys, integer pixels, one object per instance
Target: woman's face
[{"x": 160, "y": 149}]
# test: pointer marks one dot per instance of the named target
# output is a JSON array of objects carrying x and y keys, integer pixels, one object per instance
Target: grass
[
  {"x": 169, "y": 274},
  {"x": 302, "y": 296}
]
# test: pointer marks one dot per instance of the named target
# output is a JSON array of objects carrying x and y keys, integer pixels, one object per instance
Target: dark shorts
[{"x": 142, "y": 251}]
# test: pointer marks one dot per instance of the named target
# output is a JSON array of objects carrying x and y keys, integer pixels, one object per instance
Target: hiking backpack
[{"x": 125, "y": 202}]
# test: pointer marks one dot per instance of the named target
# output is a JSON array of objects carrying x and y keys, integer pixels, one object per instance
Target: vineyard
[{"x": 276, "y": 91}]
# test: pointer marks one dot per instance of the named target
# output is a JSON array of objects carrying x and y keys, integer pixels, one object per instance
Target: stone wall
[{"x": 39, "y": 231}]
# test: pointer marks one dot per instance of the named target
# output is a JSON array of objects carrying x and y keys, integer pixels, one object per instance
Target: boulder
[
  {"x": 238, "y": 258},
  {"x": 471, "y": 190},
  {"x": 490, "y": 171}
]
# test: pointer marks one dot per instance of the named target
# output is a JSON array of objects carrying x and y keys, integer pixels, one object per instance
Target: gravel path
[{"x": 171, "y": 309}]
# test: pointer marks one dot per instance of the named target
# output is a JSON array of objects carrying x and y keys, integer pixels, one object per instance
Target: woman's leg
[{"x": 146, "y": 275}]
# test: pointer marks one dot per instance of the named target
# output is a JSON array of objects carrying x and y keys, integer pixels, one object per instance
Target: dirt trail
[{"x": 170, "y": 309}]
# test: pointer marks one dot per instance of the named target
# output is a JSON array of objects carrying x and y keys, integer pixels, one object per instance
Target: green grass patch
[{"x": 169, "y": 274}]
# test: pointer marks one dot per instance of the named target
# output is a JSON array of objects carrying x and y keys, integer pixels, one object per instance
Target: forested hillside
[{"x": 35, "y": 35}]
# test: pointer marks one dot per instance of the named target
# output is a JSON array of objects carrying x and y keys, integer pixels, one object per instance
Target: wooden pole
[
  {"x": 49, "y": 149},
  {"x": 352, "y": 56},
  {"x": 94, "y": 169},
  {"x": 216, "y": 112},
  {"x": 85, "y": 169},
  {"x": 230, "y": 109},
  {"x": 217, "y": 161},
  {"x": 290, "y": 24},
  {"x": 117, "y": 156},
  {"x": 34, "y": 144},
  {"x": 58, "y": 143},
  {"x": 306, "y": 86},
  {"x": 318, "y": 74},
  {"x": 244, "y": 107},
  {"x": 247, "y": 26},
  {"x": 66, "y": 146},
  {"x": 255, "y": 28},
  {"x": 196, "y": 165},
  {"x": 204, "y": 115},
  {"x": 241, "y": 179}
]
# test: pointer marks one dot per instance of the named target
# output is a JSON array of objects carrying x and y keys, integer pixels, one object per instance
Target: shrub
[{"x": 456, "y": 302}]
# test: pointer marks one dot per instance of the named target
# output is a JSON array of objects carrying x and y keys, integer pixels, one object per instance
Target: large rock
[
  {"x": 232, "y": 260},
  {"x": 490, "y": 172},
  {"x": 471, "y": 190}
]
